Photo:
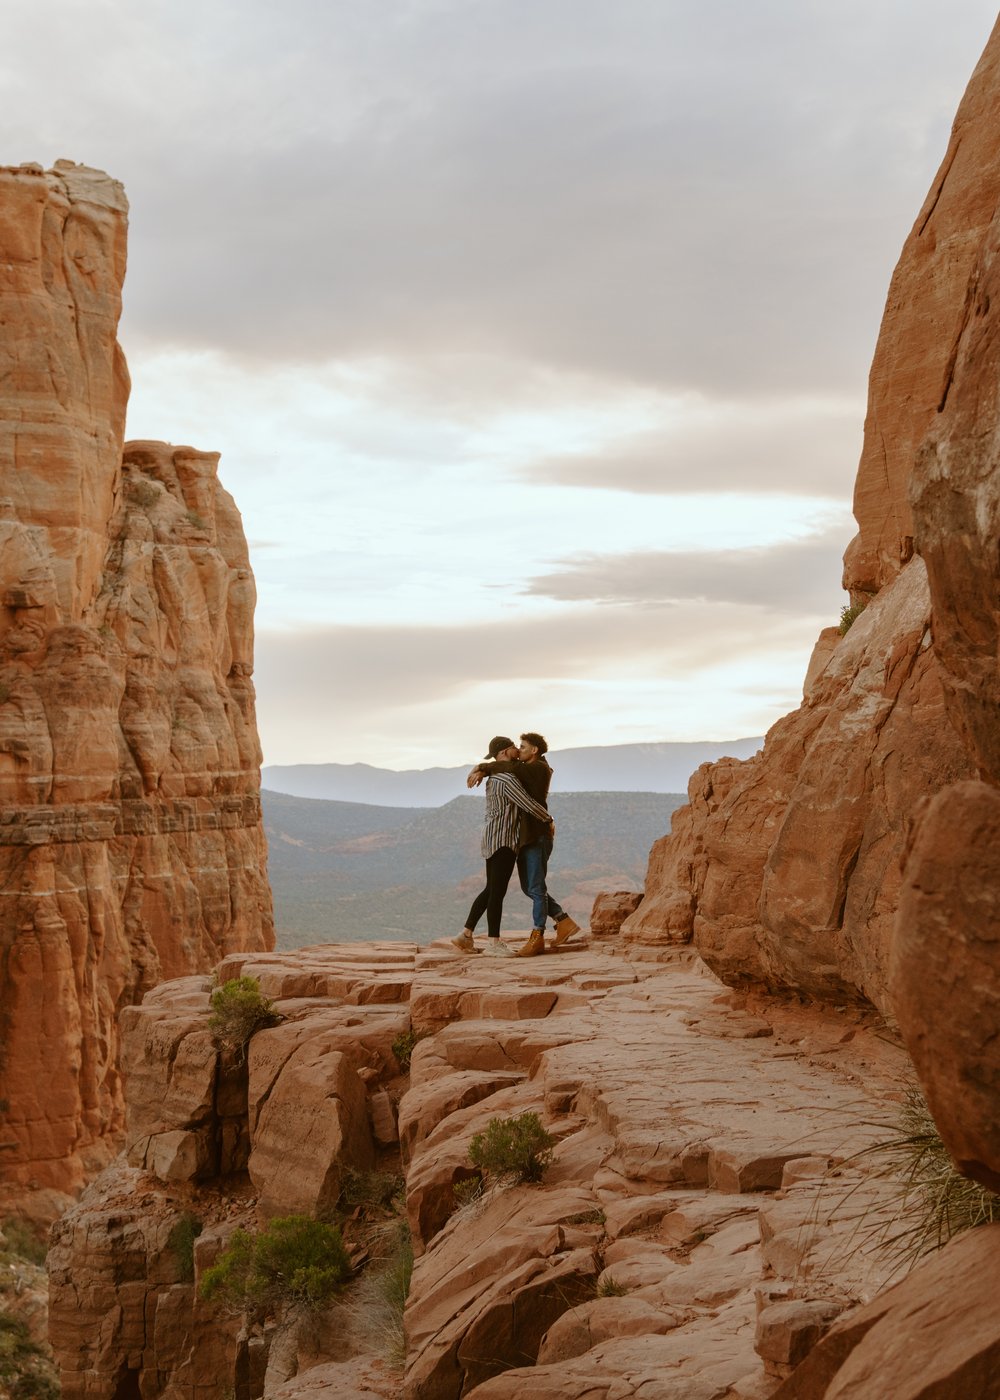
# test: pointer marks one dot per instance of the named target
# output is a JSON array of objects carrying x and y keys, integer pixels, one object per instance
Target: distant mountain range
[
  {"x": 349, "y": 871},
  {"x": 617, "y": 768}
]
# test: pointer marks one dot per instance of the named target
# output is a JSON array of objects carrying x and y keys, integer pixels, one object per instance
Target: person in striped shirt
[
  {"x": 532, "y": 771},
  {"x": 506, "y": 802}
]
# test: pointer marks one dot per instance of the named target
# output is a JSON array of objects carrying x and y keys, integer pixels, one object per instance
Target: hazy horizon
[{"x": 534, "y": 336}]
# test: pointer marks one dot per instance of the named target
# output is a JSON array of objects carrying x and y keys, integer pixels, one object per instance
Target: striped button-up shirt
[{"x": 506, "y": 799}]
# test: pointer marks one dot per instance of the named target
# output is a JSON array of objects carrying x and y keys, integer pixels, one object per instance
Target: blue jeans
[{"x": 532, "y": 867}]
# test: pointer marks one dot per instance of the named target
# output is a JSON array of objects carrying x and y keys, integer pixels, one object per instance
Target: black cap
[{"x": 498, "y": 745}]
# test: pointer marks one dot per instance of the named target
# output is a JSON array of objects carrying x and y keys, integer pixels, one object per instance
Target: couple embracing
[{"x": 517, "y": 831}]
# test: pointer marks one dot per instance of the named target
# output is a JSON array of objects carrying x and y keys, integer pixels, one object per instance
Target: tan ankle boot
[
  {"x": 534, "y": 945},
  {"x": 565, "y": 928}
]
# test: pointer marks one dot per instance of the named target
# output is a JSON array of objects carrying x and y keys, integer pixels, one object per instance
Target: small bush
[
  {"x": 587, "y": 1217},
  {"x": 610, "y": 1288},
  {"x": 371, "y": 1190},
  {"x": 467, "y": 1191},
  {"x": 196, "y": 520},
  {"x": 295, "y": 1262},
  {"x": 24, "y": 1241},
  {"x": 850, "y": 614},
  {"x": 144, "y": 493},
  {"x": 181, "y": 1240},
  {"x": 403, "y": 1046},
  {"x": 239, "y": 1011},
  {"x": 513, "y": 1148}
]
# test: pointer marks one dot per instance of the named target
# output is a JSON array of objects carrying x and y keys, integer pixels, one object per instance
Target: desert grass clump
[
  {"x": 373, "y": 1192},
  {"x": 380, "y": 1297},
  {"x": 296, "y": 1262},
  {"x": 933, "y": 1200},
  {"x": 239, "y": 1011},
  {"x": 180, "y": 1242},
  {"x": 849, "y": 614},
  {"x": 609, "y": 1287},
  {"x": 404, "y": 1045},
  {"x": 512, "y": 1149}
]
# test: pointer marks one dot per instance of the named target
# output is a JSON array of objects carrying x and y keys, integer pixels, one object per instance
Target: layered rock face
[
  {"x": 785, "y": 869},
  {"x": 131, "y": 847},
  {"x": 946, "y": 968},
  {"x": 694, "y": 1236}
]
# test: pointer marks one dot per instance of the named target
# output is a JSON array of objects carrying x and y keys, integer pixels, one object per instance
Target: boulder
[
  {"x": 611, "y": 910},
  {"x": 937, "y": 1333},
  {"x": 310, "y": 1128}
]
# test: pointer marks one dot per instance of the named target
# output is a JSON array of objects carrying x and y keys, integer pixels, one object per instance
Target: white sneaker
[
  {"x": 496, "y": 948},
  {"x": 464, "y": 942}
]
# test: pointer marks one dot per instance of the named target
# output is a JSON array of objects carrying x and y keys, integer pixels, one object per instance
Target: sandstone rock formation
[
  {"x": 946, "y": 966},
  {"x": 934, "y": 1334},
  {"x": 610, "y": 911},
  {"x": 131, "y": 847},
  {"x": 785, "y": 869},
  {"x": 702, "y": 1164}
]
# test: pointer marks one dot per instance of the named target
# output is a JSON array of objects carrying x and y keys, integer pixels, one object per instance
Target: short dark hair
[{"x": 537, "y": 741}]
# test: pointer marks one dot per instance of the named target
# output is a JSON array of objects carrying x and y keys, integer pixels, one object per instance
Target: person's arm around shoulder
[
  {"x": 488, "y": 769},
  {"x": 515, "y": 793}
]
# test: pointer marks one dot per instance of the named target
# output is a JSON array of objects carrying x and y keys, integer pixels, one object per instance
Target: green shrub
[
  {"x": 467, "y": 1191},
  {"x": 850, "y": 614},
  {"x": 181, "y": 1240},
  {"x": 610, "y": 1288},
  {"x": 403, "y": 1046},
  {"x": 25, "y": 1371},
  {"x": 517, "y": 1148},
  {"x": 24, "y": 1241},
  {"x": 294, "y": 1262},
  {"x": 371, "y": 1190},
  {"x": 239, "y": 1011}
]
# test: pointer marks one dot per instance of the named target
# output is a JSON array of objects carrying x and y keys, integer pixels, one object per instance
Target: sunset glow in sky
[{"x": 534, "y": 334}]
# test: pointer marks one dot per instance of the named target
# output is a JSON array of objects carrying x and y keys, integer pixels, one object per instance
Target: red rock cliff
[
  {"x": 131, "y": 847},
  {"x": 785, "y": 869}
]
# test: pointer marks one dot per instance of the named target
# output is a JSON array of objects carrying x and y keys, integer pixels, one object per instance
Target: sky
[{"x": 534, "y": 334}]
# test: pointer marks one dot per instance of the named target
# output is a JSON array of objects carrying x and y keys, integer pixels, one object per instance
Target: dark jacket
[{"x": 536, "y": 779}]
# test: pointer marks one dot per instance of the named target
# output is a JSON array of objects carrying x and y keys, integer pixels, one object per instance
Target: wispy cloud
[{"x": 797, "y": 576}]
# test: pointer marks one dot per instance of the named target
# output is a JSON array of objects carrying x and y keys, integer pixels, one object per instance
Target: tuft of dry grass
[
  {"x": 934, "y": 1201},
  {"x": 379, "y": 1297}
]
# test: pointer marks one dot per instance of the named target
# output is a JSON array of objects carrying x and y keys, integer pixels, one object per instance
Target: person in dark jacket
[
  {"x": 507, "y": 805},
  {"x": 531, "y": 770}
]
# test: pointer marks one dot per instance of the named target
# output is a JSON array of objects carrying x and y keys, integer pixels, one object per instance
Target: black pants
[{"x": 499, "y": 868}]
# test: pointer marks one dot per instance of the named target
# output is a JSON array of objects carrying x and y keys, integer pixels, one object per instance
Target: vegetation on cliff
[
  {"x": 239, "y": 1011},
  {"x": 295, "y": 1262},
  {"x": 513, "y": 1149}
]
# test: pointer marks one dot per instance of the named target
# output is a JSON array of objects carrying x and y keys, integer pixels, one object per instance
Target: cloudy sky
[{"x": 534, "y": 333}]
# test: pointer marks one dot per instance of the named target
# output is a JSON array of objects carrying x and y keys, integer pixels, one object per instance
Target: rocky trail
[{"x": 700, "y": 1227}]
